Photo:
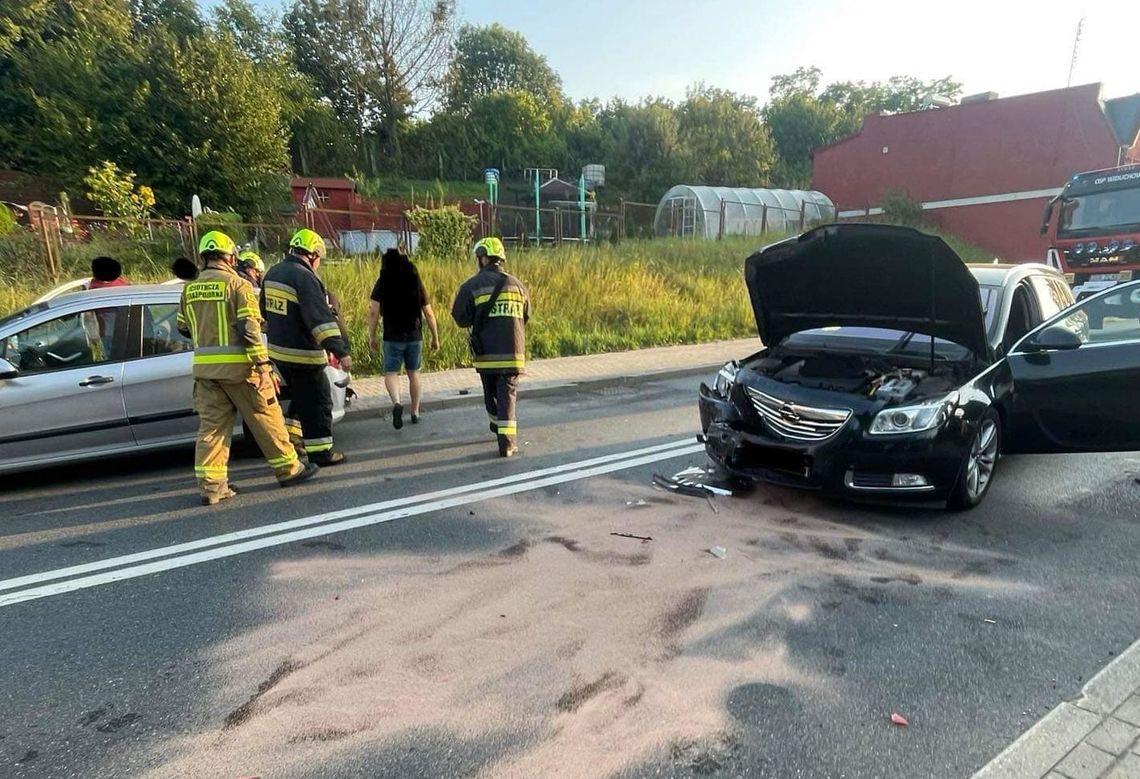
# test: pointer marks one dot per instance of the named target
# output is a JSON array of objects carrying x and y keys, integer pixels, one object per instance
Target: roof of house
[
  {"x": 323, "y": 183},
  {"x": 1124, "y": 116}
]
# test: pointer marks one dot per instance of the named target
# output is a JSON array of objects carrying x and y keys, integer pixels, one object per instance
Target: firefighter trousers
[
  {"x": 216, "y": 403},
  {"x": 500, "y": 393},
  {"x": 310, "y": 406}
]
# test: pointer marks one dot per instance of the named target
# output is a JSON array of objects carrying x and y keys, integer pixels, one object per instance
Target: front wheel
[{"x": 978, "y": 468}]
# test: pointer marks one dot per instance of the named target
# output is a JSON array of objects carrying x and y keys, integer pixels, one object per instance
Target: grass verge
[{"x": 590, "y": 300}]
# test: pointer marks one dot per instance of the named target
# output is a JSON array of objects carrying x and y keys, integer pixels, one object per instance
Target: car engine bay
[{"x": 874, "y": 376}]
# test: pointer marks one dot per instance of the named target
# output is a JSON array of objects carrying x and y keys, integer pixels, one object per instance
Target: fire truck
[{"x": 1095, "y": 238}]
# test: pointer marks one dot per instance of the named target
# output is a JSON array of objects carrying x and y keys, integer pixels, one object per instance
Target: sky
[
  {"x": 637, "y": 48},
  {"x": 633, "y": 48}
]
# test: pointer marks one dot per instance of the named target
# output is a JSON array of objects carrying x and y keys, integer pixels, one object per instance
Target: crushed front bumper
[{"x": 850, "y": 463}]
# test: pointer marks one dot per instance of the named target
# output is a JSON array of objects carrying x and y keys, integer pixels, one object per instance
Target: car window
[
  {"x": 70, "y": 341},
  {"x": 991, "y": 302},
  {"x": 1048, "y": 297},
  {"x": 160, "y": 331},
  {"x": 1107, "y": 319}
]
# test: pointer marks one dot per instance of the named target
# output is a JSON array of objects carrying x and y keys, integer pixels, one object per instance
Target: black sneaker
[
  {"x": 325, "y": 459},
  {"x": 397, "y": 416},
  {"x": 308, "y": 472},
  {"x": 415, "y": 419},
  {"x": 214, "y": 498}
]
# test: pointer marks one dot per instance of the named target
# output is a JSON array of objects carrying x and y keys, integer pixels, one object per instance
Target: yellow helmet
[
  {"x": 307, "y": 240},
  {"x": 216, "y": 241},
  {"x": 492, "y": 247},
  {"x": 253, "y": 259}
]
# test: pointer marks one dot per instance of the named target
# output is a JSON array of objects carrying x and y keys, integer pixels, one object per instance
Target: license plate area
[{"x": 770, "y": 458}]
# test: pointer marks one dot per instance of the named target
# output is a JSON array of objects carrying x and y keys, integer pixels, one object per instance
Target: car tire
[{"x": 980, "y": 464}]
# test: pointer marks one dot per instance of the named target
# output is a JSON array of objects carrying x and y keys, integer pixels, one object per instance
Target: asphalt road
[{"x": 431, "y": 610}]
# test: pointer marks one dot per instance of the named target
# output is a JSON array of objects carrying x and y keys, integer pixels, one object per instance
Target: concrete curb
[
  {"x": 540, "y": 389},
  {"x": 1046, "y": 743}
]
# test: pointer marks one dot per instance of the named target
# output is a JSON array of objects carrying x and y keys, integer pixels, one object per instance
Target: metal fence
[{"x": 61, "y": 240}]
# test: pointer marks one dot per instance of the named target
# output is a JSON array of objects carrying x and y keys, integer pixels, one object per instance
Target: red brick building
[{"x": 983, "y": 169}]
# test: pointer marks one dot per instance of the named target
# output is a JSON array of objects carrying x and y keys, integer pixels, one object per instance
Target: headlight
[
  {"x": 725, "y": 378},
  {"x": 913, "y": 419},
  {"x": 1079, "y": 249}
]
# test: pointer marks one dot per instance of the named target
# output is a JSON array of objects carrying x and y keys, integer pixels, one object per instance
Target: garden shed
[{"x": 689, "y": 211}]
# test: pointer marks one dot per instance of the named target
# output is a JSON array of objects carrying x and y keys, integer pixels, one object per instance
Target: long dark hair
[{"x": 399, "y": 285}]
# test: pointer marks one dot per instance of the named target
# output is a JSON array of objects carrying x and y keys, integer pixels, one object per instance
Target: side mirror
[
  {"x": 1054, "y": 338},
  {"x": 8, "y": 370}
]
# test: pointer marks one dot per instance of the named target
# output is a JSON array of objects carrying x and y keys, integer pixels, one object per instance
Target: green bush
[
  {"x": 444, "y": 232},
  {"x": 899, "y": 208},
  {"x": 8, "y": 223}
]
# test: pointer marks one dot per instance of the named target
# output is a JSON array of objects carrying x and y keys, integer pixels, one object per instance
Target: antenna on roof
[{"x": 1076, "y": 44}]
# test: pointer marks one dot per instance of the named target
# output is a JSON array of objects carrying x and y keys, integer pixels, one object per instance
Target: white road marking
[
  {"x": 413, "y": 506},
  {"x": 279, "y": 527}
]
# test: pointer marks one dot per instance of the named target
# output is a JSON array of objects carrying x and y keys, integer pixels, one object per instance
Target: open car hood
[{"x": 859, "y": 275}]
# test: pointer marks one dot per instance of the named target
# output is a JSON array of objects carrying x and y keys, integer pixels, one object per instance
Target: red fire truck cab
[{"x": 1095, "y": 238}]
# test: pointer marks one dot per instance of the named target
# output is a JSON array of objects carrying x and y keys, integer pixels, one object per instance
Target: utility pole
[{"x": 1076, "y": 44}]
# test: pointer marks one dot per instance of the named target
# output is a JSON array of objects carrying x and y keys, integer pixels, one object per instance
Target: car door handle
[{"x": 95, "y": 381}]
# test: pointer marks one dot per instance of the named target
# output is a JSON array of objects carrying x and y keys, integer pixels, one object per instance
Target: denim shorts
[{"x": 405, "y": 353}]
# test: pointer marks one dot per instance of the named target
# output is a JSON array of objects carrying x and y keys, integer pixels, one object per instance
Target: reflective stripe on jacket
[
  {"x": 299, "y": 323},
  {"x": 218, "y": 310},
  {"x": 503, "y": 328}
]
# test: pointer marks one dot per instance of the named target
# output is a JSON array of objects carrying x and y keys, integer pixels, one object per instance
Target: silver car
[{"x": 101, "y": 372}]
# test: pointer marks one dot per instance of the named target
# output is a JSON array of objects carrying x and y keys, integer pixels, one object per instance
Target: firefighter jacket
[
  {"x": 498, "y": 331},
  {"x": 300, "y": 325},
  {"x": 218, "y": 311}
]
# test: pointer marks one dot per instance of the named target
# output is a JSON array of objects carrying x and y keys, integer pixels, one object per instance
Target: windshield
[
  {"x": 877, "y": 339},
  {"x": 882, "y": 339},
  {"x": 22, "y": 314},
  {"x": 1101, "y": 211}
]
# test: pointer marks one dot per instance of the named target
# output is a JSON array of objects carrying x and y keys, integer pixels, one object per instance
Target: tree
[
  {"x": 802, "y": 118},
  {"x": 222, "y": 133},
  {"x": 319, "y": 143},
  {"x": 64, "y": 67},
  {"x": 799, "y": 124},
  {"x": 644, "y": 140},
  {"x": 378, "y": 62},
  {"x": 494, "y": 59},
  {"x": 722, "y": 140},
  {"x": 801, "y": 81}
]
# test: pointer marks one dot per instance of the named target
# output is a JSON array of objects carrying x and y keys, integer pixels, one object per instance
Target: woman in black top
[{"x": 399, "y": 298}]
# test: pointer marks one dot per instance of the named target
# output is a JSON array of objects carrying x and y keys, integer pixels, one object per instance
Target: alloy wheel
[{"x": 983, "y": 457}]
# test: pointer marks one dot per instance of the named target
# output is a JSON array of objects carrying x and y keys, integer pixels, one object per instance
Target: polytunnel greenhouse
[{"x": 709, "y": 212}]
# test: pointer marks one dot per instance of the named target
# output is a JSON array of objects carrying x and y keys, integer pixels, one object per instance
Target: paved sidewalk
[
  {"x": 443, "y": 388},
  {"x": 1094, "y": 736}
]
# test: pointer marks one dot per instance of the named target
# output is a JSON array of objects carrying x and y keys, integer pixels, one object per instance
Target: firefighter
[
  {"x": 495, "y": 305},
  {"x": 302, "y": 332},
  {"x": 232, "y": 373},
  {"x": 250, "y": 267}
]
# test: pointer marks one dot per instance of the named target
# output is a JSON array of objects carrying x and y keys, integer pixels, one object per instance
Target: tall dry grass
[{"x": 584, "y": 300}]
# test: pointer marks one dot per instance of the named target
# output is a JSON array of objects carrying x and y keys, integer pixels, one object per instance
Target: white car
[{"x": 101, "y": 372}]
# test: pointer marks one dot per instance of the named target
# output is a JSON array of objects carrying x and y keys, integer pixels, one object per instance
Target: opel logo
[{"x": 788, "y": 413}]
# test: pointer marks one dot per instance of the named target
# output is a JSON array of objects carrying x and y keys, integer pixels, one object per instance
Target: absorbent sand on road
[{"x": 575, "y": 652}]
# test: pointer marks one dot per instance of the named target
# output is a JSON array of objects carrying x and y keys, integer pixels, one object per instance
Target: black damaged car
[{"x": 891, "y": 373}]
